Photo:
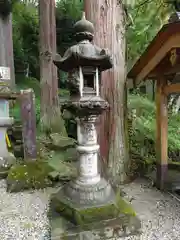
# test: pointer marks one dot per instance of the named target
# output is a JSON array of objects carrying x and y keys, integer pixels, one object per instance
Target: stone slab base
[
  {"x": 117, "y": 228},
  {"x": 70, "y": 221}
]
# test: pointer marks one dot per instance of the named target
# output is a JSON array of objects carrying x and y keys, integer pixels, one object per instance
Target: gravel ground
[
  {"x": 159, "y": 212},
  {"x": 23, "y": 216}
]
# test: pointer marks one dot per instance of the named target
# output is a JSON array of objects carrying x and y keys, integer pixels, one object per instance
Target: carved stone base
[
  {"x": 69, "y": 219},
  {"x": 89, "y": 195}
]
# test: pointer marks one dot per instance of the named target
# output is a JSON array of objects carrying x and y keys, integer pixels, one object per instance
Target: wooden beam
[
  {"x": 162, "y": 133},
  {"x": 171, "y": 88},
  {"x": 173, "y": 42}
]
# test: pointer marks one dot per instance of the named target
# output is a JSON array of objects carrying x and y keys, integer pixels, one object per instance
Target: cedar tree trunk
[
  {"x": 109, "y": 20},
  {"x": 51, "y": 119}
]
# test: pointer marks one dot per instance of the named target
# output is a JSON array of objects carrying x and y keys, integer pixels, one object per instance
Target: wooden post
[
  {"x": 29, "y": 124},
  {"x": 162, "y": 132}
]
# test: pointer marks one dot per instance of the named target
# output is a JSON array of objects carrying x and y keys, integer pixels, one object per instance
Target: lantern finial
[
  {"x": 84, "y": 29},
  {"x": 83, "y": 16}
]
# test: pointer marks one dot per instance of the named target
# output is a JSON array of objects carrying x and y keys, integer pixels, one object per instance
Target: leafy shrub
[
  {"x": 142, "y": 131},
  {"x": 25, "y": 37}
]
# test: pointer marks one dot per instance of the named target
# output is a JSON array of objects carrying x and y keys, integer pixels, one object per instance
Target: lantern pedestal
[
  {"x": 89, "y": 190},
  {"x": 90, "y": 199},
  {"x": 6, "y": 158}
]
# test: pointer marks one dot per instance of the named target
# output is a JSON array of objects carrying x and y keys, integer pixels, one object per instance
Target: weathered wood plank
[
  {"x": 172, "y": 88},
  {"x": 173, "y": 42}
]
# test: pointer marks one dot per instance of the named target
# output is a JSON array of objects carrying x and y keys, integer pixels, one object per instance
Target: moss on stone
[
  {"x": 62, "y": 170},
  {"x": 59, "y": 142},
  {"x": 83, "y": 216},
  {"x": 123, "y": 206},
  {"x": 95, "y": 214},
  {"x": 29, "y": 175},
  {"x": 69, "y": 221}
]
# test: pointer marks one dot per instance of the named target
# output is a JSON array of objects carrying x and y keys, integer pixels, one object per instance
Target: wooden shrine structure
[{"x": 161, "y": 63}]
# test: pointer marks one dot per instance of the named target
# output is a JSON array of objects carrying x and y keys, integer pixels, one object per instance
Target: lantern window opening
[{"x": 90, "y": 81}]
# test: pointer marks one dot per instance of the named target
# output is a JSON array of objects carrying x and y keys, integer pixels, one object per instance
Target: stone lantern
[
  {"x": 6, "y": 158},
  {"x": 89, "y": 192},
  {"x": 84, "y": 62}
]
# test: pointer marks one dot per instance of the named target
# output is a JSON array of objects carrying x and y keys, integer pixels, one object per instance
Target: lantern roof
[{"x": 84, "y": 53}]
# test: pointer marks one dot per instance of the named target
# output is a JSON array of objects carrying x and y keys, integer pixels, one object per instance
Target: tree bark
[
  {"x": 10, "y": 52},
  {"x": 109, "y": 20},
  {"x": 54, "y": 50},
  {"x": 45, "y": 58},
  {"x": 51, "y": 119}
]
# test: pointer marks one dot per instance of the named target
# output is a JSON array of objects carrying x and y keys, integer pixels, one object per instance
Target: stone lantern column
[
  {"x": 89, "y": 197},
  {"x": 85, "y": 62},
  {"x": 88, "y": 151}
]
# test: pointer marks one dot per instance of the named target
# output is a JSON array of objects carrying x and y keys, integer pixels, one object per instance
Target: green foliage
[
  {"x": 28, "y": 82},
  {"x": 26, "y": 33},
  {"x": 25, "y": 37},
  {"x": 70, "y": 8},
  {"x": 145, "y": 20},
  {"x": 67, "y": 13},
  {"x": 143, "y": 129}
]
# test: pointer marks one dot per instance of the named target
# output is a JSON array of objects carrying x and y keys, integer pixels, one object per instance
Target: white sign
[{"x": 5, "y": 73}]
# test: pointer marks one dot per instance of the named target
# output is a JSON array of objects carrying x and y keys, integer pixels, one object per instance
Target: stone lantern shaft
[{"x": 88, "y": 150}]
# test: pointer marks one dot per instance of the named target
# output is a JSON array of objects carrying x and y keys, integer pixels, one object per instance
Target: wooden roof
[{"x": 166, "y": 39}]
